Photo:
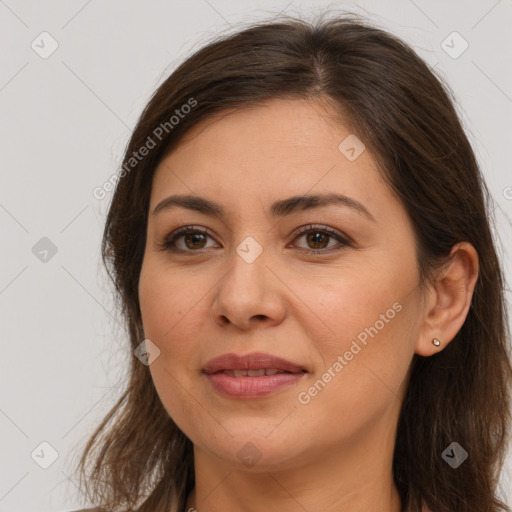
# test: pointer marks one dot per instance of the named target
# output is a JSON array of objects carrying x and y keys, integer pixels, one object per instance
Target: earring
[{"x": 436, "y": 342}]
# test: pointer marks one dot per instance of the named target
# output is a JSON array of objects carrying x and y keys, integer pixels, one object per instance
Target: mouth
[
  {"x": 251, "y": 376},
  {"x": 256, "y": 361},
  {"x": 253, "y": 373}
]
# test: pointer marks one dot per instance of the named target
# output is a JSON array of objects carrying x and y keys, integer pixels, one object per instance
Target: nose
[{"x": 250, "y": 295}]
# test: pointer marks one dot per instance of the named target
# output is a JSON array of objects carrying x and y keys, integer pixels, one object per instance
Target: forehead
[
  {"x": 278, "y": 148},
  {"x": 268, "y": 129}
]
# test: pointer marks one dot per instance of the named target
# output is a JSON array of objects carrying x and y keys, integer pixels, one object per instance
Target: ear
[{"x": 448, "y": 299}]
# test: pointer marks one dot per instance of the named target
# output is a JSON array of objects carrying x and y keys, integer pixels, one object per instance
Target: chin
[{"x": 256, "y": 446}]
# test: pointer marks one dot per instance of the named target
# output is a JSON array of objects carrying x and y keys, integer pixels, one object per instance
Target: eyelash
[{"x": 168, "y": 244}]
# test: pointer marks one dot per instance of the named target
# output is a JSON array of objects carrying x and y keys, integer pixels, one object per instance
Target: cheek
[
  {"x": 166, "y": 299},
  {"x": 371, "y": 319},
  {"x": 355, "y": 300},
  {"x": 170, "y": 305},
  {"x": 361, "y": 377},
  {"x": 366, "y": 330}
]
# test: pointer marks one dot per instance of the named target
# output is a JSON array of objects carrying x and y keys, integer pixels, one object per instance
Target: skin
[{"x": 335, "y": 452}]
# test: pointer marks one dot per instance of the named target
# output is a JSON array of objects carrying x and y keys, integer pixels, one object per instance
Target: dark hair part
[{"x": 406, "y": 118}]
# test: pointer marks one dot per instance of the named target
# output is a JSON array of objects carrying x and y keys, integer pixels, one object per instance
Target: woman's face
[{"x": 340, "y": 301}]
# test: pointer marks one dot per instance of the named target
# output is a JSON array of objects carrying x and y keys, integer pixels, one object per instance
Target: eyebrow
[{"x": 279, "y": 208}]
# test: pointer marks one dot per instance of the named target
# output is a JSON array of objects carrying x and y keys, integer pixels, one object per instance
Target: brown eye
[
  {"x": 190, "y": 239},
  {"x": 194, "y": 240},
  {"x": 318, "y": 238},
  {"x": 186, "y": 239}
]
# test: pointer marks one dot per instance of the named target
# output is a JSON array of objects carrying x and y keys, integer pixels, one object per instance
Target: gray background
[{"x": 65, "y": 121}]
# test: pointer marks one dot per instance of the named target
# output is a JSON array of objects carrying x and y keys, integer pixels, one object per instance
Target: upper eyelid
[{"x": 298, "y": 232}]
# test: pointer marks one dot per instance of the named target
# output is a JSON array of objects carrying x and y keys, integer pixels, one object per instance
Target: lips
[
  {"x": 251, "y": 363},
  {"x": 252, "y": 376}
]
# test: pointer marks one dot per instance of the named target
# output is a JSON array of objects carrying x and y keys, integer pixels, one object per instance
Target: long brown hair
[{"x": 137, "y": 457}]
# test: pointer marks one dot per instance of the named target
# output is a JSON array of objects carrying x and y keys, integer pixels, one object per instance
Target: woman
[{"x": 301, "y": 246}]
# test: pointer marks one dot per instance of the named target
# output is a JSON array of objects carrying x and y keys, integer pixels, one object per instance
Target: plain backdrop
[{"x": 74, "y": 78}]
